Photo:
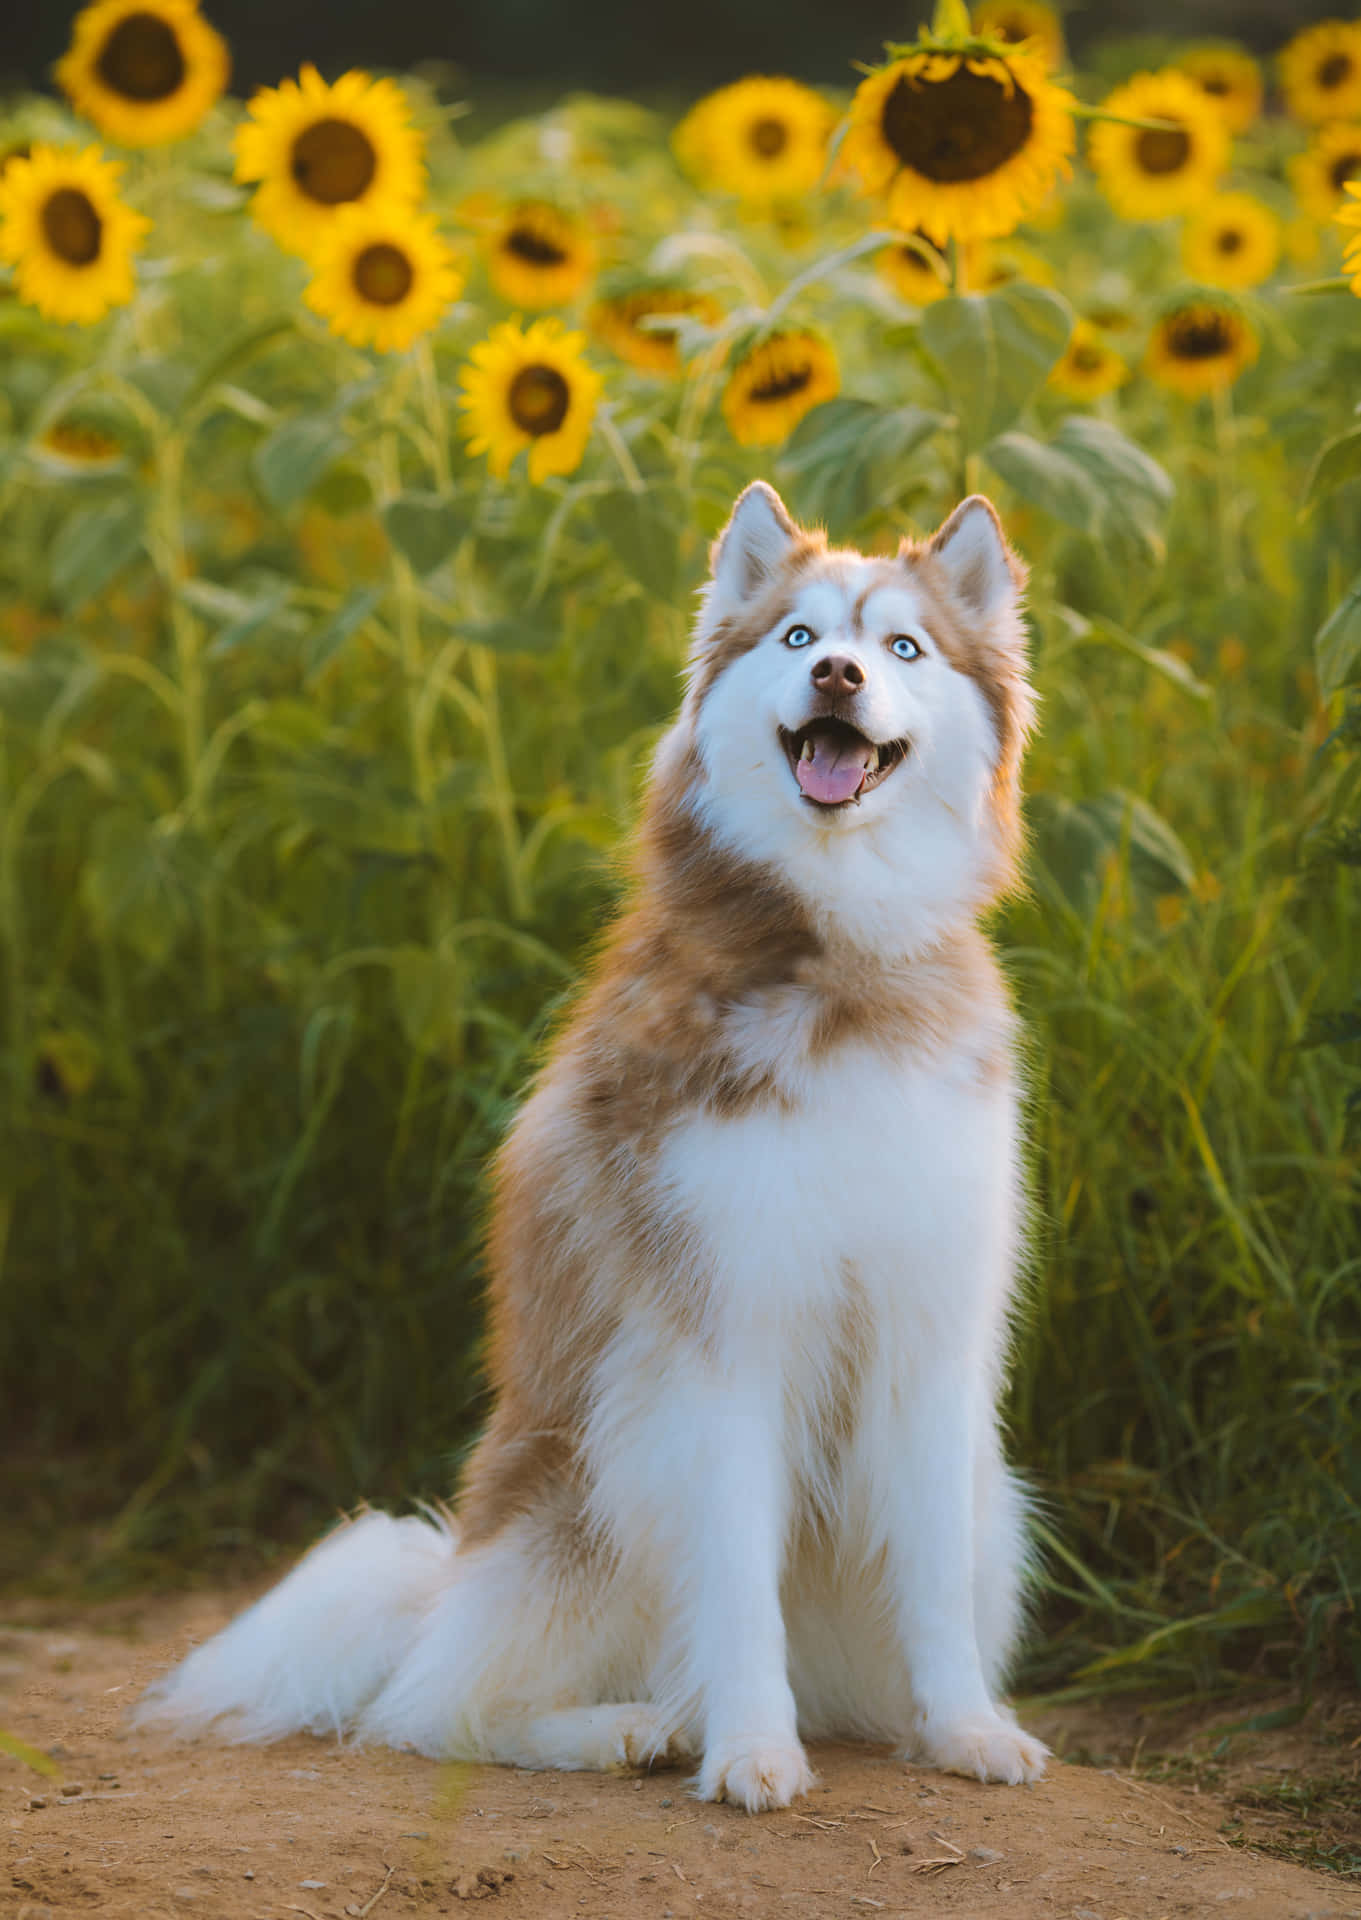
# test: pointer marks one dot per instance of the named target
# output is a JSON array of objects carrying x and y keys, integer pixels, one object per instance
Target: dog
[{"x": 755, "y": 1242}]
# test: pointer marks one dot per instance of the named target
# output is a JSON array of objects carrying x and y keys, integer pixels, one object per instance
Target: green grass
[{"x": 293, "y": 875}]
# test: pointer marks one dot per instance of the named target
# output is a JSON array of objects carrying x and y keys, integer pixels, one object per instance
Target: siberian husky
[{"x": 755, "y": 1238}]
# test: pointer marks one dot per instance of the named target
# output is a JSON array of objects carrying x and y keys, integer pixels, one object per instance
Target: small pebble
[
  {"x": 37, "y": 1801},
  {"x": 72, "y": 1788},
  {"x": 313, "y": 1886},
  {"x": 666, "y": 1802},
  {"x": 249, "y": 1874},
  {"x": 985, "y": 1855}
]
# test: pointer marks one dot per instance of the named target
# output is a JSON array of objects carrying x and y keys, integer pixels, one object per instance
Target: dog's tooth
[
  {"x": 872, "y": 764},
  {"x": 808, "y": 749}
]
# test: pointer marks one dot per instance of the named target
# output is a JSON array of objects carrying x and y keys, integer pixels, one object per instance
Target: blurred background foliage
[{"x": 318, "y": 741}]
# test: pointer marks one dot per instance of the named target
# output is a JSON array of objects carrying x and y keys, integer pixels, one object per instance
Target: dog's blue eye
[
  {"x": 799, "y": 637},
  {"x": 905, "y": 647}
]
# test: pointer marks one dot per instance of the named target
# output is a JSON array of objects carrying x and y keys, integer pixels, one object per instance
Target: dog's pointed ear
[
  {"x": 748, "y": 553},
  {"x": 973, "y": 553}
]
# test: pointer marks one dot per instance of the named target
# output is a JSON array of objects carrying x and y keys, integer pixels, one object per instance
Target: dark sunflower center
[
  {"x": 768, "y": 137},
  {"x": 963, "y": 128},
  {"x": 142, "y": 59},
  {"x": 1335, "y": 69},
  {"x": 1214, "y": 83},
  {"x": 1162, "y": 150},
  {"x": 71, "y": 227},
  {"x": 1230, "y": 241},
  {"x": 1013, "y": 30},
  {"x": 382, "y": 274},
  {"x": 527, "y": 243},
  {"x": 333, "y": 162},
  {"x": 1086, "y": 359},
  {"x": 781, "y": 385},
  {"x": 1199, "y": 337},
  {"x": 1344, "y": 168},
  {"x": 539, "y": 399}
]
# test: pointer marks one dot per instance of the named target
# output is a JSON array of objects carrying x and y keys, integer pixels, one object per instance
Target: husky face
[{"x": 856, "y": 722}]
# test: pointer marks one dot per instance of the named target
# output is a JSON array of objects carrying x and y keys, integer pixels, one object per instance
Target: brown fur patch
[{"x": 742, "y": 631}]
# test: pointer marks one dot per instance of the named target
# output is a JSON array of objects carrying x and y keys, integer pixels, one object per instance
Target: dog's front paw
[
  {"x": 983, "y": 1746},
  {"x": 756, "y": 1773}
]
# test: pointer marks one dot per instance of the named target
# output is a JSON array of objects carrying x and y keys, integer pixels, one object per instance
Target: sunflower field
[{"x": 357, "y": 475}]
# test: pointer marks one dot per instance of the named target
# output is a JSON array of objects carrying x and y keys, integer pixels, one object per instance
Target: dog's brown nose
[{"x": 838, "y": 676}]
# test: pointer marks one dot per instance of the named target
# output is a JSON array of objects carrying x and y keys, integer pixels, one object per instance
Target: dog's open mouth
[{"x": 835, "y": 764}]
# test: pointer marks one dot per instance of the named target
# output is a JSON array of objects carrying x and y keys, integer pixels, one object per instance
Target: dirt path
[{"x": 134, "y": 1826}]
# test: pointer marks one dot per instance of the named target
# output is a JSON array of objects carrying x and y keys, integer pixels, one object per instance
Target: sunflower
[
  {"x": 1088, "y": 366},
  {"x": 764, "y": 139},
  {"x": 539, "y": 256},
  {"x": 1230, "y": 79},
  {"x": 771, "y": 388},
  {"x": 1321, "y": 172},
  {"x": 620, "y": 324},
  {"x": 1232, "y": 240},
  {"x": 1148, "y": 172},
  {"x": 529, "y": 389},
  {"x": 1321, "y": 72},
  {"x": 1016, "y": 21},
  {"x": 1200, "y": 346},
  {"x": 964, "y": 148},
  {"x": 913, "y": 274},
  {"x": 67, "y": 233},
  {"x": 77, "y": 449},
  {"x": 315, "y": 149},
  {"x": 145, "y": 71},
  {"x": 1349, "y": 216},
  {"x": 382, "y": 276}
]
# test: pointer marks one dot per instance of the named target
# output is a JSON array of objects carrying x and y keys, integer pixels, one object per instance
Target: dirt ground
[{"x": 128, "y": 1825}]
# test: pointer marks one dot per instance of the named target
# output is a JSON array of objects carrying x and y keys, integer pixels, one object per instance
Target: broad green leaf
[
  {"x": 425, "y": 528},
  {"x": 1337, "y": 463},
  {"x": 1337, "y": 645},
  {"x": 295, "y": 456},
  {"x": 522, "y": 633},
  {"x": 993, "y": 351},
  {"x": 1046, "y": 477},
  {"x": 18, "y": 1749},
  {"x": 848, "y": 457},
  {"x": 325, "y": 641},
  {"x": 1076, "y": 838},
  {"x": 135, "y": 882},
  {"x": 1130, "y": 479},
  {"x": 91, "y": 548},
  {"x": 643, "y": 531},
  {"x": 343, "y": 489}
]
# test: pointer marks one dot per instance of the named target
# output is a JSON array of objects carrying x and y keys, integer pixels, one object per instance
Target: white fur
[{"x": 800, "y": 1517}]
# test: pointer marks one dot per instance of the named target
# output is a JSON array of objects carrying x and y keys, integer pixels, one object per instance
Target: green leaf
[
  {"x": 1075, "y": 840},
  {"x": 425, "y": 988},
  {"x": 295, "y": 456},
  {"x": 134, "y": 883},
  {"x": 1046, "y": 477},
  {"x": 642, "y": 530},
  {"x": 1135, "y": 491},
  {"x": 325, "y": 641},
  {"x": 1337, "y": 645},
  {"x": 520, "y": 634},
  {"x": 1337, "y": 463},
  {"x": 239, "y": 353},
  {"x": 847, "y": 457},
  {"x": 91, "y": 548},
  {"x": 425, "y": 528},
  {"x": 993, "y": 351}
]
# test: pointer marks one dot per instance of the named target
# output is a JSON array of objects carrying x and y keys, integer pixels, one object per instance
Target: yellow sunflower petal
[
  {"x": 1321, "y": 72},
  {"x": 539, "y": 256},
  {"x": 1232, "y": 240},
  {"x": 1200, "y": 347},
  {"x": 144, "y": 71},
  {"x": 67, "y": 233},
  {"x": 1320, "y": 174},
  {"x": 964, "y": 149},
  {"x": 529, "y": 389},
  {"x": 771, "y": 388},
  {"x": 1230, "y": 79},
  {"x": 315, "y": 149},
  {"x": 1023, "y": 21},
  {"x": 622, "y": 324},
  {"x": 1089, "y": 366},
  {"x": 1147, "y": 173},
  {"x": 383, "y": 277},
  {"x": 762, "y": 138}
]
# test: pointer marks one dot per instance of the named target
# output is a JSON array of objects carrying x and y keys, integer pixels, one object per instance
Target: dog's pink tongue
[{"x": 836, "y": 769}]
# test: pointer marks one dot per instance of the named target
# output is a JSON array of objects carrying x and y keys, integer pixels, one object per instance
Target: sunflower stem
[
  {"x": 503, "y": 794},
  {"x": 618, "y": 446},
  {"x": 436, "y": 418},
  {"x": 1226, "y": 439}
]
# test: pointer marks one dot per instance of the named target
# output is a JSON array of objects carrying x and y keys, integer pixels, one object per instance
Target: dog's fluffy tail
[{"x": 312, "y": 1653}]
